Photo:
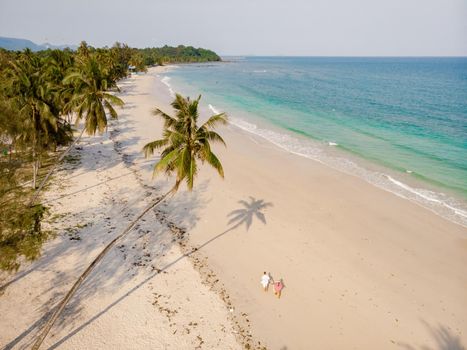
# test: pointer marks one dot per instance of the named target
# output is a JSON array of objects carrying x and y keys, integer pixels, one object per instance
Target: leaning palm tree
[
  {"x": 89, "y": 99},
  {"x": 183, "y": 144}
]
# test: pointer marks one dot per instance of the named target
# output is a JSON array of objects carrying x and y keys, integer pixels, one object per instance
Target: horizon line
[
  {"x": 261, "y": 55},
  {"x": 349, "y": 56}
]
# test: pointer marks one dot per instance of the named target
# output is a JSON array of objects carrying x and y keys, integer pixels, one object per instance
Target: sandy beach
[{"x": 362, "y": 268}]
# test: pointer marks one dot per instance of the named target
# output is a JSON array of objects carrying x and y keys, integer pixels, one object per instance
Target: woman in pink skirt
[{"x": 278, "y": 286}]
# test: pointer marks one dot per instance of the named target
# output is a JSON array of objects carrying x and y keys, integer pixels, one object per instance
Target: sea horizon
[{"x": 348, "y": 56}]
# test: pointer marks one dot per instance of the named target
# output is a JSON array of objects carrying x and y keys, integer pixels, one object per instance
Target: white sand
[
  {"x": 363, "y": 269},
  {"x": 126, "y": 303}
]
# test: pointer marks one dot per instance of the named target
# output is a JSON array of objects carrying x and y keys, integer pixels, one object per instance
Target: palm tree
[
  {"x": 29, "y": 94},
  {"x": 83, "y": 50},
  {"x": 91, "y": 97},
  {"x": 90, "y": 100},
  {"x": 60, "y": 64},
  {"x": 183, "y": 143}
]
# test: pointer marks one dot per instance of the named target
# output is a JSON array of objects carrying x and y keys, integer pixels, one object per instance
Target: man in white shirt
[{"x": 265, "y": 280}]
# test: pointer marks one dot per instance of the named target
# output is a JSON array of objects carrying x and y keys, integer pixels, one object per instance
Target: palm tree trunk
[
  {"x": 34, "y": 166},
  {"x": 89, "y": 269},
  {"x": 34, "y": 174},
  {"x": 34, "y": 146},
  {"x": 46, "y": 178}
]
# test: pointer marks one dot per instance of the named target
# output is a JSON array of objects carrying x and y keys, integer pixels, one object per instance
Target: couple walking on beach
[{"x": 266, "y": 280}]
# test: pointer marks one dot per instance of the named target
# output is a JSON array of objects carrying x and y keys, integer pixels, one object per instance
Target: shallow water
[{"x": 399, "y": 123}]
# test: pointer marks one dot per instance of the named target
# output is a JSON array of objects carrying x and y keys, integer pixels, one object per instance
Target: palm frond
[
  {"x": 180, "y": 103},
  {"x": 215, "y": 120},
  {"x": 150, "y": 147},
  {"x": 111, "y": 110},
  {"x": 168, "y": 120},
  {"x": 212, "y": 159},
  {"x": 113, "y": 99},
  {"x": 72, "y": 77},
  {"x": 192, "y": 172},
  {"x": 166, "y": 162},
  {"x": 213, "y": 136}
]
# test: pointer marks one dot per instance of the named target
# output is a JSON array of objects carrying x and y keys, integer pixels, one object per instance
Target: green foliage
[
  {"x": 179, "y": 54},
  {"x": 20, "y": 235},
  {"x": 20, "y": 226},
  {"x": 137, "y": 60},
  {"x": 184, "y": 142},
  {"x": 39, "y": 94},
  {"x": 91, "y": 99}
]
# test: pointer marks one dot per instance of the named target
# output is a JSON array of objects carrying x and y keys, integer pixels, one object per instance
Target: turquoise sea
[{"x": 399, "y": 123}]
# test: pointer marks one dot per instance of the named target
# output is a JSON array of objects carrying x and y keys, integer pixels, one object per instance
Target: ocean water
[{"x": 398, "y": 123}]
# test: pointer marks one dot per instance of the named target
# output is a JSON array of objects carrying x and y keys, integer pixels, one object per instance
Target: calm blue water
[{"x": 405, "y": 116}]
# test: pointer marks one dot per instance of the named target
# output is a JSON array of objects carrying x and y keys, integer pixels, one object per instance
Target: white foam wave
[
  {"x": 332, "y": 143},
  {"x": 213, "y": 109},
  {"x": 429, "y": 196},
  {"x": 165, "y": 81},
  {"x": 439, "y": 203}
]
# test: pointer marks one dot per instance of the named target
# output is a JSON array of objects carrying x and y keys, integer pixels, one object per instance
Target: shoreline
[
  {"x": 439, "y": 199},
  {"x": 369, "y": 255},
  {"x": 362, "y": 267}
]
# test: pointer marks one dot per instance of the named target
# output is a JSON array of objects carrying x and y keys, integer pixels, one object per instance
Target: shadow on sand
[
  {"x": 443, "y": 337},
  {"x": 136, "y": 255},
  {"x": 250, "y": 209}
]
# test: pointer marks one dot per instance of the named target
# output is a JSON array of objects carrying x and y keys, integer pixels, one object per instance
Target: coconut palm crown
[
  {"x": 90, "y": 97},
  {"x": 184, "y": 142}
]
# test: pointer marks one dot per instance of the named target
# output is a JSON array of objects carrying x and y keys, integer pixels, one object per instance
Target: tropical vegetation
[
  {"x": 184, "y": 143},
  {"x": 44, "y": 96},
  {"x": 179, "y": 54}
]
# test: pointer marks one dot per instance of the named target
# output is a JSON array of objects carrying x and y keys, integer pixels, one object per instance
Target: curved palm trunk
[
  {"x": 89, "y": 269},
  {"x": 34, "y": 171},
  {"x": 34, "y": 161},
  {"x": 46, "y": 178}
]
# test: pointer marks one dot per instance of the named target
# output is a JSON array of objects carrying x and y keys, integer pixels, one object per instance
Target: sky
[{"x": 249, "y": 27}]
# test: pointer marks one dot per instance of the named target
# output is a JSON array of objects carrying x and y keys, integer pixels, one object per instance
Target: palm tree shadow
[
  {"x": 241, "y": 216},
  {"x": 250, "y": 209},
  {"x": 443, "y": 337},
  {"x": 245, "y": 215}
]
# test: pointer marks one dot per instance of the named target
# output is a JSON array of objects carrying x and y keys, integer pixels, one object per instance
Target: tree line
[
  {"x": 44, "y": 96},
  {"x": 179, "y": 54}
]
